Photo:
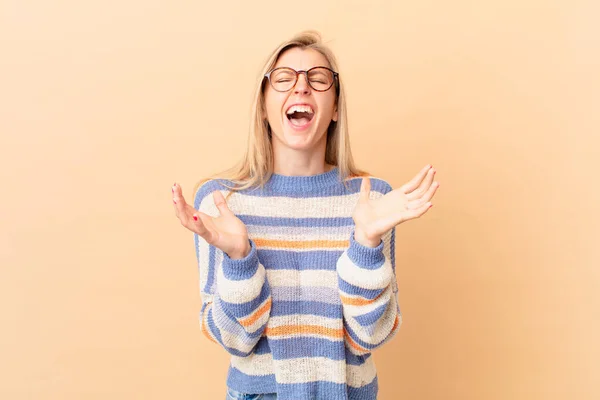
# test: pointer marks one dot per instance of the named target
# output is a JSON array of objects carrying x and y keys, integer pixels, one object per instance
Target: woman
[{"x": 296, "y": 245}]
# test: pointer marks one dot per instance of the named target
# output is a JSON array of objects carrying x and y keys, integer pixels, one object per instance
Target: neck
[{"x": 288, "y": 161}]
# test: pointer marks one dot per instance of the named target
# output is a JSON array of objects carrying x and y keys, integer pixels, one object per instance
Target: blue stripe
[
  {"x": 365, "y": 257},
  {"x": 243, "y": 268},
  {"x": 237, "y": 380},
  {"x": 262, "y": 347},
  {"x": 306, "y": 307},
  {"x": 371, "y": 317},
  {"x": 354, "y": 359},
  {"x": 233, "y": 326},
  {"x": 304, "y": 346},
  {"x": 297, "y": 187},
  {"x": 216, "y": 333},
  {"x": 305, "y": 293},
  {"x": 300, "y": 260},
  {"x": 361, "y": 343},
  {"x": 351, "y": 289},
  {"x": 314, "y": 390}
]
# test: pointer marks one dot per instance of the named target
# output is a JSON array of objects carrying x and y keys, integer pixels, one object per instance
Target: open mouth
[{"x": 300, "y": 116}]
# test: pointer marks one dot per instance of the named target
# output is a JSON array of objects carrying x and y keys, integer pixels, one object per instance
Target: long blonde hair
[{"x": 256, "y": 167}]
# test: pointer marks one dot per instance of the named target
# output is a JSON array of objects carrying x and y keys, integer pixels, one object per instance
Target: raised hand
[
  {"x": 226, "y": 232},
  {"x": 374, "y": 217}
]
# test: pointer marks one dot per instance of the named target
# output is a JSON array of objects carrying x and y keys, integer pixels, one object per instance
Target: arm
[
  {"x": 369, "y": 294},
  {"x": 236, "y": 297}
]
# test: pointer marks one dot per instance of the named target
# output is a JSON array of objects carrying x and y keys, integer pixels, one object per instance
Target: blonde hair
[{"x": 256, "y": 167}]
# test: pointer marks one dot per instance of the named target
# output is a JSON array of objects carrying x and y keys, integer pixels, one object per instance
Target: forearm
[
  {"x": 237, "y": 313},
  {"x": 367, "y": 292}
]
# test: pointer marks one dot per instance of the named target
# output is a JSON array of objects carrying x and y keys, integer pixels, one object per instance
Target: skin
[{"x": 302, "y": 153}]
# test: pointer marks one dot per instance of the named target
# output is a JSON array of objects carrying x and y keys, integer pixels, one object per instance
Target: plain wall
[{"x": 105, "y": 104}]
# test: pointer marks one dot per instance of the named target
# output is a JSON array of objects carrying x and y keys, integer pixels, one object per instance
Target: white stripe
[
  {"x": 300, "y": 233},
  {"x": 243, "y": 290},
  {"x": 289, "y": 277},
  {"x": 382, "y": 327},
  {"x": 234, "y": 341},
  {"x": 254, "y": 364},
  {"x": 307, "y": 335},
  {"x": 301, "y": 250},
  {"x": 287, "y": 207},
  {"x": 305, "y": 319},
  {"x": 202, "y": 256},
  {"x": 303, "y": 370},
  {"x": 362, "y": 277},
  {"x": 361, "y": 375}
]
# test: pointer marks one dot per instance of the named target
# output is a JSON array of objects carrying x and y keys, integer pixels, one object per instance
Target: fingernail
[
  {"x": 195, "y": 218},
  {"x": 174, "y": 202}
]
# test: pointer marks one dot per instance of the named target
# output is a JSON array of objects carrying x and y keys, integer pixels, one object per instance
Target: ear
[{"x": 334, "y": 118}]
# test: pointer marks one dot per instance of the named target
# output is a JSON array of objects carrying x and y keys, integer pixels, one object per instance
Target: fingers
[
  {"x": 188, "y": 215},
  {"x": 416, "y": 203},
  {"x": 416, "y": 212},
  {"x": 365, "y": 190},
  {"x": 221, "y": 203},
  {"x": 414, "y": 183},
  {"x": 197, "y": 222},
  {"x": 178, "y": 200},
  {"x": 423, "y": 187}
]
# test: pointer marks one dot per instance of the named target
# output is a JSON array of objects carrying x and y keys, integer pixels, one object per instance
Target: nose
[{"x": 302, "y": 85}]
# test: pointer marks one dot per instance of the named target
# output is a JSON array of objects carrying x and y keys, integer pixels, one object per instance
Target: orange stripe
[
  {"x": 257, "y": 314},
  {"x": 353, "y": 343},
  {"x": 359, "y": 301},
  {"x": 304, "y": 329},
  {"x": 204, "y": 327},
  {"x": 396, "y": 323},
  {"x": 301, "y": 244}
]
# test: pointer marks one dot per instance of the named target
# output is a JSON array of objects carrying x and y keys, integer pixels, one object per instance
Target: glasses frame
[{"x": 305, "y": 72}]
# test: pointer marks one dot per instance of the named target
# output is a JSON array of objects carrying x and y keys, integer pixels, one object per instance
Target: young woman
[{"x": 295, "y": 245}]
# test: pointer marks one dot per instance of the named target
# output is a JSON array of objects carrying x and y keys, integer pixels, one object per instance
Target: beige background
[{"x": 105, "y": 104}]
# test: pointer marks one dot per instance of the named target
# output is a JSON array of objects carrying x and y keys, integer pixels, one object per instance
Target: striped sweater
[{"x": 302, "y": 312}]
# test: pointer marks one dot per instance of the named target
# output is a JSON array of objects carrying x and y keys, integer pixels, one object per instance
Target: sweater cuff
[
  {"x": 243, "y": 268},
  {"x": 364, "y": 256}
]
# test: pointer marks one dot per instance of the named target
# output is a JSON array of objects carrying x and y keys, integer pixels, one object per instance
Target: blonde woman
[{"x": 295, "y": 245}]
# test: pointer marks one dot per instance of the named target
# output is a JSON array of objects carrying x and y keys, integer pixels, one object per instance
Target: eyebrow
[{"x": 285, "y": 66}]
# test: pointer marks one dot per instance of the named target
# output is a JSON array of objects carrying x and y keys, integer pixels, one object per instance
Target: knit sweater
[{"x": 302, "y": 312}]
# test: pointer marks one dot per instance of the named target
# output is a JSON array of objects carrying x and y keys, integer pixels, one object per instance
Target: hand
[
  {"x": 226, "y": 232},
  {"x": 375, "y": 217}
]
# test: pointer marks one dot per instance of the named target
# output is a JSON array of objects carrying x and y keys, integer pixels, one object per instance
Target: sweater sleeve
[
  {"x": 369, "y": 294},
  {"x": 236, "y": 297}
]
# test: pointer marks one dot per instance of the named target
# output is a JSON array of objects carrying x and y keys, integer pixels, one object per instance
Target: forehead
[{"x": 301, "y": 59}]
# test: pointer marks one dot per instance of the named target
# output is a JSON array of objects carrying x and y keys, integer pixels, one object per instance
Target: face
[{"x": 306, "y": 129}]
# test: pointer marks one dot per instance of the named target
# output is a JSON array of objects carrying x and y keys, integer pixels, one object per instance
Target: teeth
[{"x": 306, "y": 109}]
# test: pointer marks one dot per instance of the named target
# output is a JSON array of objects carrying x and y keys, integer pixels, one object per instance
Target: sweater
[{"x": 303, "y": 311}]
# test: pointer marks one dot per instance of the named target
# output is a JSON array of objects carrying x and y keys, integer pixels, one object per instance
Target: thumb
[
  {"x": 365, "y": 189},
  {"x": 221, "y": 203}
]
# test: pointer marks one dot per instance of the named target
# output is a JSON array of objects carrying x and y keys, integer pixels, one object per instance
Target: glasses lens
[
  {"x": 283, "y": 79},
  {"x": 320, "y": 78}
]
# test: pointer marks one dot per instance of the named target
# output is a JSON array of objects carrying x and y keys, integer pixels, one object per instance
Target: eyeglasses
[{"x": 283, "y": 79}]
